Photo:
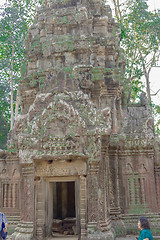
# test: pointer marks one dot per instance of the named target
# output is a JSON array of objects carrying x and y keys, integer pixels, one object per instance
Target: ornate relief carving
[
  {"x": 28, "y": 193},
  {"x": 102, "y": 193},
  {"x": 60, "y": 168},
  {"x": 92, "y": 183}
]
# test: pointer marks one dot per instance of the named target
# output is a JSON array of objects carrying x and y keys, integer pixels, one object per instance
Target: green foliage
[
  {"x": 156, "y": 114},
  {"x": 15, "y": 18},
  {"x": 4, "y": 96},
  {"x": 12, "y": 33},
  {"x": 140, "y": 37},
  {"x": 3, "y": 132}
]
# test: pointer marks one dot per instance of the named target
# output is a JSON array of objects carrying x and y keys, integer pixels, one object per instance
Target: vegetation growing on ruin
[{"x": 140, "y": 39}]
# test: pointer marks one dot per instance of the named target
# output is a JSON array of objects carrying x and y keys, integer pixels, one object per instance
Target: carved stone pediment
[{"x": 62, "y": 124}]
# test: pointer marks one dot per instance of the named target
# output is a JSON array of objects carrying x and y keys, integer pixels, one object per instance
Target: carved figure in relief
[
  {"x": 129, "y": 168},
  {"x": 143, "y": 225},
  {"x": 142, "y": 168}
]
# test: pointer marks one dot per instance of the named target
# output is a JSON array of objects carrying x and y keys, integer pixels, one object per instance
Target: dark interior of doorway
[{"x": 64, "y": 213}]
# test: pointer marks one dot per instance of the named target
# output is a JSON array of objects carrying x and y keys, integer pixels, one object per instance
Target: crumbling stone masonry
[{"x": 79, "y": 161}]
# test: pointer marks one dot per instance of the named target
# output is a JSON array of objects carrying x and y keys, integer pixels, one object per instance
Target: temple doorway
[
  {"x": 60, "y": 199},
  {"x": 63, "y": 211}
]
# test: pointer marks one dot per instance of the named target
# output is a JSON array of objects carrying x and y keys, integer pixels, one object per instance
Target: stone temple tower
[{"x": 79, "y": 162}]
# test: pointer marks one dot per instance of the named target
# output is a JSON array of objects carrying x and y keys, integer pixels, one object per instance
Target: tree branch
[{"x": 155, "y": 93}]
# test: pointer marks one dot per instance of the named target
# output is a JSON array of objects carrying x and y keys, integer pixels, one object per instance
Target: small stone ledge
[{"x": 24, "y": 231}]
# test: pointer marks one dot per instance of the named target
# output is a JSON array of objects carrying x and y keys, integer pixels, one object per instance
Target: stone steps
[{"x": 12, "y": 223}]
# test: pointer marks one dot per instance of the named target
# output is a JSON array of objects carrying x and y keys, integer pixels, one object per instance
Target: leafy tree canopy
[
  {"x": 140, "y": 39},
  {"x": 16, "y": 16}
]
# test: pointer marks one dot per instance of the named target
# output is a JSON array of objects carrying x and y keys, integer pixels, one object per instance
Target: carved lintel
[{"x": 60, "y": 168}]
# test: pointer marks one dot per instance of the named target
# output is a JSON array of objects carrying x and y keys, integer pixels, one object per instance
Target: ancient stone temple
[{"x": 79, "y": 161}]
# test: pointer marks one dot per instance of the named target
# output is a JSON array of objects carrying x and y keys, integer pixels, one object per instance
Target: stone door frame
[
  {"x": 49, "y": 196},
  {"x": 47, "y": 173}
]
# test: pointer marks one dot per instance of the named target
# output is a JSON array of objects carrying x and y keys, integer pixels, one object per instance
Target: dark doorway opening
[{"x": 64, "y": 213}]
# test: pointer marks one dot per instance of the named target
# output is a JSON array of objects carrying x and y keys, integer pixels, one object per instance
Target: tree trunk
[
  {"x": 148, "y": 87},
  {"x": 117, "y": 10},
  {"x": 148, "y": 90},
  {"x": 129, "y": 94},
  {"x": 17, "y": 104},
  {"x": 11, "y": 85}
]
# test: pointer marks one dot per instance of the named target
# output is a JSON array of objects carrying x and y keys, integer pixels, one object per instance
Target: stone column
[
  {"x": 9, "y": 195},
  {"x": 103, "y": 195},
  {"x": 98, "y": 220},
  {"x": 83, "y": 206},
  {"x": 113, "y": 175},
  {"x": 39, "y": 210},
  {"x": 115, "y": 183},
  {"x": 14, "y": 195},
  {"x": 92, "y": 181},
  {"x": 25, "y": 227},
  {"x": 5, "y": 196},
  {"x": 157, "y": 176},
  {"x": 113, "y": 114}
]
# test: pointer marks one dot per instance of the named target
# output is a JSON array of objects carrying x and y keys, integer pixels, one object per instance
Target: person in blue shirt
[
  {"x": 3, "y": 219},
  {"x": 143, "y": 225}
]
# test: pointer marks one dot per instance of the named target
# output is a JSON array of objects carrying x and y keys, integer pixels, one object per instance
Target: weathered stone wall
[
  {"x": 139, "y": 164},
  {"x": 75, "y": 126},
  {"x": 10, "y": 183},
  {"x": 71, "y": 102},
  {"x": 73, "y": 46},
  {"x": 132, "y": 158}
]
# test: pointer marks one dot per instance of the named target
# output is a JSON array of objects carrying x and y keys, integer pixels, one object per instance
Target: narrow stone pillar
[
  {"x": 157, "y": 176},
  {"x": 102, "y": 194},
  {"x": 28, "y": 193},
  {"x": 9, "y": 195},
  {"x": 83, "y": 206},
  {"x": 14, "y": 195},
  {"x": 113, "y": 176},
  {"x": 5, "y": 195},
  {"x": 39, "y": 213},
  {"x": 103, "y": 199},
  {"x": 114, "y": 112},
  {"x": 25, "y": 227},
  {"x": 92, "y": 181}
]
